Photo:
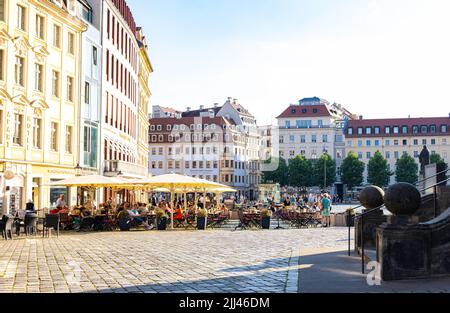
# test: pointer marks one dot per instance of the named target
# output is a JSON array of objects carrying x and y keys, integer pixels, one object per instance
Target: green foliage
[
  {"x": 406, "y": 170},
  {"x": 435, "y": 158},
  {"x": 300, "y": 172},
  {"x": 280, "y": 175},
  {"x": 352, "y": 171},
  {"x": 378, "y": 171},
  {"x": 321, "y": 178}
]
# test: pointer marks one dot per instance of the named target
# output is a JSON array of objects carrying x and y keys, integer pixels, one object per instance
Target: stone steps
[{"x": 232, "y": 224}]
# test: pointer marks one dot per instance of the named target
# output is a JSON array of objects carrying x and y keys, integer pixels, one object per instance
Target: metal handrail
[
  {"x": 428, "y": 178},
  {"x": 360, "y": 216}
]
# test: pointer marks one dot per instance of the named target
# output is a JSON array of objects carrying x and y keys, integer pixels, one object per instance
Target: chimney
[
  {"x": 216, "y": 105},
  {"x": 188, "y": 109},
  {"x": 361, "y": 117},
  {"x": 202, "y": 107}
]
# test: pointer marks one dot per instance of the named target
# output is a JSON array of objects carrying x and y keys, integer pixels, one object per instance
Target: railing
[
  {"x": 114, "y": 166},
  {"x": 361, "y": 216},
  {"x": 428, "y": 178}
]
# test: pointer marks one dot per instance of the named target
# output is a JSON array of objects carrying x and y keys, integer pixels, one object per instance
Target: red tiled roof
[
  {"x": 306, "y": 111},
  {"x": 400, "y": 122}
]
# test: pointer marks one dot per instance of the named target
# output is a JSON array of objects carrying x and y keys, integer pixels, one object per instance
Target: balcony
[{"x": 115, "y": 168}]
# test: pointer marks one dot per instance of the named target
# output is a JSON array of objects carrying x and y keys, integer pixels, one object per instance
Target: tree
[
  {"x": 435, "y": 158},
  {"x": 280, "y": 175},
  {"x": 406, "y": 170},
  {"x": 322, "y": 177},
  {"x": 300, "y": 172},
  {"x": 352, "y": 171},
  {"x": 378, "y": 170}
]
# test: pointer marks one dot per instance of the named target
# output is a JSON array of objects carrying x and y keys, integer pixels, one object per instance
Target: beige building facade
[
  {"x": 395, "y": 137},
  {"x": 40, "y": 47}
]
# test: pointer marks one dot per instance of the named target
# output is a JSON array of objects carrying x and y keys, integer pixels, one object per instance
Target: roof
[
  {"x": 400, "y": 122},
  {"x": 306, "y": 111},
  {"x": 189, "y": 121},
  {"x": 196, "y": 113}
]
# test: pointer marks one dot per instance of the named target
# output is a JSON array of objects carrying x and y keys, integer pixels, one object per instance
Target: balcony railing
[{"x": 114, "y": 167}]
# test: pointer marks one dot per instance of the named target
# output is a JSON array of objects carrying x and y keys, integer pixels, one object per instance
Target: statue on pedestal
[{"x": 424, "y": 159}]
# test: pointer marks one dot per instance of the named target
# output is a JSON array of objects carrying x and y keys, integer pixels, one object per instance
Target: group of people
[{"x": 313, "y": 202}]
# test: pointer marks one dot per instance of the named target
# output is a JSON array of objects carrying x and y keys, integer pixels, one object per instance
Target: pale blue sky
[{"x": 377, "y": 57}]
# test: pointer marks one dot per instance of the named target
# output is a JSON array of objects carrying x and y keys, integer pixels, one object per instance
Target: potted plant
[
  {"x": 202, "y": 217},
  {"x": 124, "y": 221},
  {"x": 265, "y": 218},
  {"x": 161, "y": 219},
  {"x": 350, "y": 217}
]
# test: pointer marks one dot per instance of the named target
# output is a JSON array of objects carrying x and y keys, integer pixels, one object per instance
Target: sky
[{"x": 378, "y": 58}]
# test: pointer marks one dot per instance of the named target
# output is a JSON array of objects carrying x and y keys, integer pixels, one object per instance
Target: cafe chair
[
  {"x": 6, "y": 225},
  {"x": 51, "y": 221}
]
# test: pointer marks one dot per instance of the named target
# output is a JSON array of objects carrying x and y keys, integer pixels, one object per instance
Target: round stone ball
[
  {"x": 371, "y": 197},
  {"x": 402, "y": 199}
]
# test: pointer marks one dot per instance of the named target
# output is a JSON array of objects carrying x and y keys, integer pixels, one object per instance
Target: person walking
[{"x": 326, "y": 209}]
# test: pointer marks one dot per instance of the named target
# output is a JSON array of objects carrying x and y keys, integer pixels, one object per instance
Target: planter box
[
  {"x": 265, "y": 222},
  {"x": 162, "y": 223},
  {"x": 201, "y": 223}
]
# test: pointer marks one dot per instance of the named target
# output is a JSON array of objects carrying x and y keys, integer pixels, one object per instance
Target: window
[
  {"x": 423, "y": 129},
  {"x": 433, "y": 129},
  {"x": 350, "y": 131},
  {"x": 55, "y": 84},
  {"x": 2, "y": 10},
  {"x": 18, "y": 126},
  {"x": 57, "y": 36},
  {"x": 416, "y": 142},
  {"x": 288, "y": 124},
  {"x": 302, "y": 138},
  {"x": 40, "y": 27},
  {"x": 37, "y": 127},
  {"x": 404, "y": 129},
  {"x": 377, "y": 143},
  {"x": 377, "y": 130},
  {"x": 314, "y": 139},
  {"x": 95, "y": 56},
  {"x": 368, "y": 155},
  {"x": 433, "y": 141},
  {"x": 405, "y": 142},
  {"x": 388, "y": 143},
  {"x": 69, "y": 89},
  {"x": 388, "y": 155},
  {"x": 387, "y": 130},
  {"x": 2, "y": 64},
  {"x": 360, "y": 131},
  {"x": 54, "y": 136},
  {"x": 38, "y": 77},
  {"x": 360, "y": 143},
  {"x": 87, "y": 93},
  {"x": 20, "y": 71},
  {"x": 71, "y": 43},
  {"x": 86, "y": 13},
  {"x": 325, "y": 138},
  {"x": 415, "y": 129},
  {"x": 396, "y": 155},
  {"x": 368, "y": 143},
  {"x": 21, "y": 17},
  {"x": 396, "y": 129},
  {"x": 395, "y": 142},
  {"x": 368, "y": 130}
]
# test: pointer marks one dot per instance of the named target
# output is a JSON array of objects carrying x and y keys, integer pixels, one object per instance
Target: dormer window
[
  {"x": 350, "y": 131},
  {"x": 423, "y": 129},
  {"x": 432, "y": 129},
  {"x": 405, "y": 129},
  {"x": 315, "y": 111}
]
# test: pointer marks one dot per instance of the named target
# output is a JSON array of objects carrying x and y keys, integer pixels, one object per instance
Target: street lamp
[{"x": 325, "y": 152}]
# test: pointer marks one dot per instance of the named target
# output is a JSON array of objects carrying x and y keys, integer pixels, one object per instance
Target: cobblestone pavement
[{"x": 179, "y": 261}]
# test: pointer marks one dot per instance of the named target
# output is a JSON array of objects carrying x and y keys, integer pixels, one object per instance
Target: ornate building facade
[{"x": 40, "y": 68}]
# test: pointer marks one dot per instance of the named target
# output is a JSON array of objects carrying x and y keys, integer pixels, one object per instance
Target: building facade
[
  {"x": 40, "y": 71},
  {"x": 91, "y": 87},
  {"x": 220, "y": 144},
  {"x": 395, "y": 137},
  {"x": 311, "y": 128},
  {"x": 121, "y": 93}
]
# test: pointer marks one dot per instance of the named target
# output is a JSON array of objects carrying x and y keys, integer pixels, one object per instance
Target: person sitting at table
[
  {"x": 29, "y": 207},
  {"x": 178, "y": 214},
  {"x": 136, "y": 218},
  {"x": 87, "y": 220}
]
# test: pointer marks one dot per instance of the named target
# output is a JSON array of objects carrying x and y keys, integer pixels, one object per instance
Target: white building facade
[{"x": 311, "y": 128}]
